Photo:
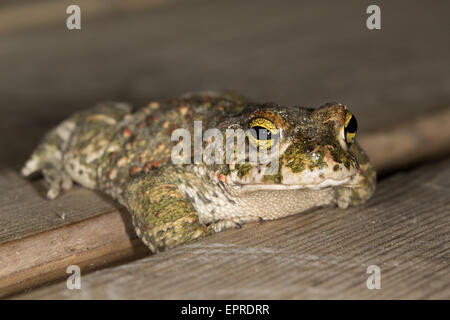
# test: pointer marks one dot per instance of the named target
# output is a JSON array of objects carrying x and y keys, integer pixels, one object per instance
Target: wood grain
[
  {"x": 24, "y": 210},
  {"x": 90, "y": 244},
  {"x": 404, "y": 229}
]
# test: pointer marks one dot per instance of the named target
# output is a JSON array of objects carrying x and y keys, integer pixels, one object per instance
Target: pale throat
[{"x": 218, "y": 201}]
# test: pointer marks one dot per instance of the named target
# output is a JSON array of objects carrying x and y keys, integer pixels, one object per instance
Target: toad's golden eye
[
  {"x": 350, "y": 128},
  {"x": 262, "y": 132}
]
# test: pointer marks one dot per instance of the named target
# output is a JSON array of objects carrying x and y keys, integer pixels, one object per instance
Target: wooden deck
[
  {"x": 404, "y": 230},
  {"x": 395, "y": 80}
]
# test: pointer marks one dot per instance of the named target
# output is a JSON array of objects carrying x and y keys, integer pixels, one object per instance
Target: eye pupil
[
  {"x": 350, "y": 128},
  {"x": 261, "y": 133},
  {"x": 352, "y": 125}
]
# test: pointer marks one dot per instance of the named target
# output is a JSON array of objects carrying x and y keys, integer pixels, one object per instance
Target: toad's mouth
[{"x": 346, "y": 182}]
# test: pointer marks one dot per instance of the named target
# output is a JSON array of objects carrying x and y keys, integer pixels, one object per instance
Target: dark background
[{"x": 289, "y": 52}]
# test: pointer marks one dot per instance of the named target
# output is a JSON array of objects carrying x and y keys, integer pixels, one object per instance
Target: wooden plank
[
  {"x": 90, "y": 244},
  {"x": 409, "y": 142},
  {"x": 24, "y": 210},
  {"x": 404, "y": 230}
]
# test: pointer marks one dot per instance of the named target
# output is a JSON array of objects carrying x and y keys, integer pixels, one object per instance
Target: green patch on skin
[
  {"x": 167, "y": 210},
  {"x": 141, "y": 143},
  {"x": 369, "y": 177},
  {"x": 294, "y": 156},
  {"x": 53, "y": 139},
  {"x": 225, "y": 170},
  {"x": 243, "y": 169},
  {"x": 83, "y": 158},
  {"x": 316, "y": 160},
  {"x": 298, "y": 158},
  {"x": 272, "y": 178},
  {"x": 339, "y": 155},
  {"x": 355, "y": 197},
  {"x": 369, "y": 173}
]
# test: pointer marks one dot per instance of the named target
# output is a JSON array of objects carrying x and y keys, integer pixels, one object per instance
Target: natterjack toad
[{"x": 128, "y": 155}]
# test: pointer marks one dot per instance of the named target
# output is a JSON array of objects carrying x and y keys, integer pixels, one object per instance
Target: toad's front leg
[
  {"x": 366, "y": 180},
  {"x": 162, "y": 215}
]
